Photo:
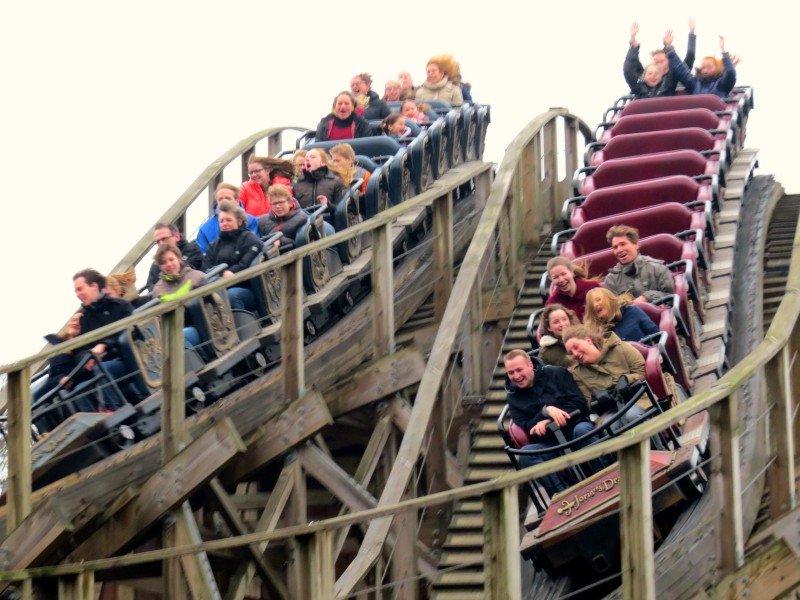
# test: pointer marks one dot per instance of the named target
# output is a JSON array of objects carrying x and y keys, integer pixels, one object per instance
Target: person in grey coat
[{"x": 646, "y": 279}]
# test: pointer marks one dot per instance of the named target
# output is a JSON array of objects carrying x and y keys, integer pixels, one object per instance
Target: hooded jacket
[
  {"x": 719, "y": 86},
  {"x": 101, "y": 312},
  {"x": 168, "y": 284},
  {"x": 576, "y": 303},
  {"x": 644, "y": 276},
  {"x": 444, "y": 90},
  {"x": 319, "y": 182},
  {"x": 237, "y": 248},
  {"x": 357, "y": 126},
  {"x": 552, "y": 386},
  {"x": 617, "y": 358},
  {"x": 553, "y": 352},
  {"x": 192, "y": 255}
]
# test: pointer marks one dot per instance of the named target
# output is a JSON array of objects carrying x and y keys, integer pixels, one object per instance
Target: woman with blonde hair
[
  {"x": 438, "y": 84},
  {"x": 343, "y": 163},
  {"x": 122, "y": 285},
  {"x": 571, "y": 283},
  {"x": 618, "y": 314}
]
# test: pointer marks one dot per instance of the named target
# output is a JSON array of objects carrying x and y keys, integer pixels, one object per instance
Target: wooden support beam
[
  {"x": 238, "y": 527},
  {"x": 404, "y": 557},
  {"x": 382, "y": 297},
  {"x": 380, "y": 378},
  {"x": 322, "y": 468},
  {"x": 173, "y": 403},
  {"x": 781, "y": 473},
  {"x": 772, "y": 573},
  {"x": 315, "y": 555},
  {"x": 77, "y": 587},
  {"x": 172, "y": 582},
  {"x": 38, "y": 535},
  {"x": 436, "y": 464},
  {"x": 571, "y": 150},
  {"x": 366, "y": 468},
  {"x": 301, "y": 420},
  {"x": 401, "y": 414},
  {"x": 476, "y": 376},
  {"x": 499, "y": 304},
  {"x": 636, "y": 523},
  {"x": 267, "y": 522},
  {"x": 292, "y": 356},
  {"x": 296, "y": 514},
  {"x": 442, "y": 253},
  {"x": 169, "y": 487},
  {"x": 503, "y": 580},
  {"x": 527, "y": 204},
  {"x": 196, "y": 567},
  {"x": 18, "y": 441},
  {"x": 551, "y": 199},
  {"x": 726, "y": 478}
]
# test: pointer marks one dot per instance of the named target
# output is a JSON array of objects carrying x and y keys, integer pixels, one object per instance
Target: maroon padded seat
[
  {"x": 666, "y": 318},
  {"x": 648, "y": 166},
  {"x": 670, "y": 103},
  {"x": 671, "y": 119},
  {"x": 669, "y": 217},
  {"x": 641, "y": 194},
  {"x": 637, "y": 144},
  {"x": 653, "y": 373}
]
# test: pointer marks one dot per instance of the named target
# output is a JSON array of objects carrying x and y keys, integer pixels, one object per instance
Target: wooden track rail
[{"x": 522, "y": 203}]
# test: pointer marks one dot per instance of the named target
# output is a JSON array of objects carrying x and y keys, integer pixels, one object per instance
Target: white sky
[{"x": 111, "y": 110}]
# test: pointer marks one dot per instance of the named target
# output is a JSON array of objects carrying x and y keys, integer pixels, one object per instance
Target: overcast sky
[{"x": 111, "y": 110}]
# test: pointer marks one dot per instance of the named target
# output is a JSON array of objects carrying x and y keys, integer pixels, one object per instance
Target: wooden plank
[
  {"x": 173, "y": 403},
  {"x": 636, "y": 523},
  {"x": 36, "y": 537},
  {"x": 18, "y": 441},
  {"x": 382, "y": 298},
  {"x": 231, "y": 517},
  {"x": 401, "y": 413},
  {"x": 442, "y": 253},
  {"x": 377, "y": 380},
  {"x": 196, "y": 567},
  {"x": 296, "y": 514},
  {"x": 530, "y": 176},
  {"x": 781, "y": 473},
  {"x": 501, "y": 545},
  {"x": 499, "y": 304},
  {"x": 292, "y": 356},
  {"x": 172, "y": 583},
  {"x": 315, "y": 558},
  {"x": 404, "y": 557},
  {"x": 301, "y": 420},
  {"x": 773, "y": 573},
  {"x": 322, "y": 468},
  {"x": 268, "y": 521},
  {"x": 366, "y": 468},
  {"x": 726, "y": 478},
  {"x": 169, "y": 487},
  {"x": 77, "y": 587}
]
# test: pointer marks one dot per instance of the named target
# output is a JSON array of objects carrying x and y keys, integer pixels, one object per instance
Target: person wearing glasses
[
  {"x": 264, "y": 171},
  {"x": 284, "y": 216}
]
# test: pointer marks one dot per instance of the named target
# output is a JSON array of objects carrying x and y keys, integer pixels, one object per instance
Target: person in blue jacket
[
  {"x": 608, "y": 312},
  {"x": 209, "y": 230},
  {"x": 711, "y": 78},
  {"x": 537, "y": 395}
]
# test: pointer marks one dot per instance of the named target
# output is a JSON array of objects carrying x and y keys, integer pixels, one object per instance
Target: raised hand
[
  {"x": 692, "y": 24},
  {"x": 634, "y": 33},
  {"x": 669, "y": 37},
  {"x": 722, "y": 43}
]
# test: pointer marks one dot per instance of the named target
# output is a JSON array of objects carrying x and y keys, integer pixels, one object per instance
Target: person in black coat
[
  {"x": 318, "y": 184},
  {"x": 237, "y": 247},
  {"x": 633, "y": 70},
  {"x": 285, "y": 216},
  {"x": 373, "y": 107},
  {"x": 165, "y": 233},
  {"x": 99, "y": 310},
  {"x": 342, "y": 123},
  {"x": 538, "y": 395}
]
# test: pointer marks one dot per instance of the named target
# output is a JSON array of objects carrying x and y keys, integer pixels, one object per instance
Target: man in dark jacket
[
  {"x": 99, "y": 310},
  {"x": 165, "y": 233},
  {"x": 538, "y": 395}
]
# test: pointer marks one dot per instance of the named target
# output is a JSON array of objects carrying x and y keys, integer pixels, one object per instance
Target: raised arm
[
  {"x": 691, "y": 45},
  {"x": 728, "y": 79},
  {"x": 676, "y": 65},
  {"x": 632, "y": 67}
]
